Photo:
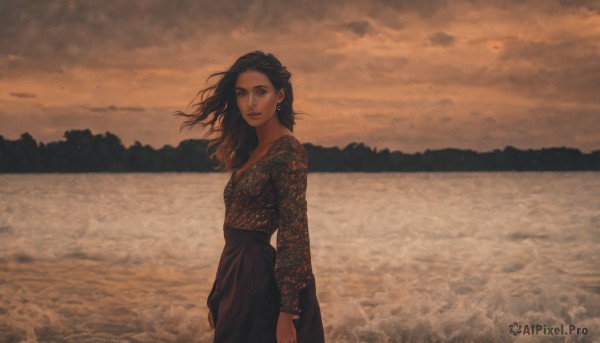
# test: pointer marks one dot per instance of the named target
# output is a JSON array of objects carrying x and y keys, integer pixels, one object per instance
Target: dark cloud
[
  {"x": 317, "y": 63},
  {"x": 55, "y": 34},
  {"x": 360, "y": 27},
  {"x": 376, "y": 116},
  {"x": 50, "y": 35},
  {"x": 568, "y": 70},
  {"x": 23, "y": 95},
  {"x": 441, "y": 38},
  {"x": 548, "y": 53},
  {"x": 132, "y": 109},
  {"x": 113, "y": 108},
  {"x": 545, "y": 71},
  {"x": 426, "y": 8},
  {"x": 549, "y": 6},
  {"x": 445, "y": 102},
  {"x": 593, "y": 5}
]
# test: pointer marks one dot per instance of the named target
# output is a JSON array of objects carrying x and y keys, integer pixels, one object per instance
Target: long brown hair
[{"x": 218, "y": 109}]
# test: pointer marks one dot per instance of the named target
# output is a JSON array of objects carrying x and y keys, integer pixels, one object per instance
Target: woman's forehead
[{"x": 251, "y": 79}]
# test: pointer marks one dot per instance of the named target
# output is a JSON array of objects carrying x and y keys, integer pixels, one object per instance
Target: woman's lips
[{"x": 252, "y": 115}]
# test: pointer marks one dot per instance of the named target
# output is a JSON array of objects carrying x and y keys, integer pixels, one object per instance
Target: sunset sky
[{"x": 403, "y": 74}]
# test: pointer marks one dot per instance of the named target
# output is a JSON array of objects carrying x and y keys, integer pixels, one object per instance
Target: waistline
[{"x": 236, "y": 236}]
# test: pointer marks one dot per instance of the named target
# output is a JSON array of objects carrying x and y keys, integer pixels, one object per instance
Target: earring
[{"x": 278, "y": 106}]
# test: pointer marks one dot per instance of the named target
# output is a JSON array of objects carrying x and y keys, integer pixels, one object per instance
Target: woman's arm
[{"x": 293, "y": 270}]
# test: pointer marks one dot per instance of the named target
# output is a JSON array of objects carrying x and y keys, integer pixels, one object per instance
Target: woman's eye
[
  {"x": 262, "y": 91},
  {"x": 240, "y": 93}
]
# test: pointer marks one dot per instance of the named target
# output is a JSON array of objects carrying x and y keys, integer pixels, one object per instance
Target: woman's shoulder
[
  {"x": 290, "y": 143},
  {"x": 289, "y": 148}
]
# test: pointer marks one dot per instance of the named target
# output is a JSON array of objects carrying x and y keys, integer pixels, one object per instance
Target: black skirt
[{"x": 245, "y": 300}]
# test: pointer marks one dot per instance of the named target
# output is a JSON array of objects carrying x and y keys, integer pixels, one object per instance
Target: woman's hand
[
  {"x": 210, "y": 320},
  {"x": 286, "y": 331}
]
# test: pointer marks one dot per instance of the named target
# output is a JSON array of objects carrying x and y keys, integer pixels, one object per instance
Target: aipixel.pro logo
[{"x": 540, "y": 329}]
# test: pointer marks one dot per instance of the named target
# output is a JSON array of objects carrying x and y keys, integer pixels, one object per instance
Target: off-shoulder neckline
[{"x": 235, "y": 175}]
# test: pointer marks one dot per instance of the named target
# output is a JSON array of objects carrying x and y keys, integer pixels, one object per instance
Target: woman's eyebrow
[{"x": 259, "y": 86}]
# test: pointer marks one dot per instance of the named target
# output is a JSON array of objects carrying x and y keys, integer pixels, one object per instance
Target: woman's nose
[{"x": 251, "y": 100}]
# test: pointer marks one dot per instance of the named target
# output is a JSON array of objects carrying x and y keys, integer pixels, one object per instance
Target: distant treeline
[{"x": 82, "y": 151}]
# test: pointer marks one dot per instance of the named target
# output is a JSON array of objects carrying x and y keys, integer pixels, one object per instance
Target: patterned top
[{"x": 270, "y": 195}]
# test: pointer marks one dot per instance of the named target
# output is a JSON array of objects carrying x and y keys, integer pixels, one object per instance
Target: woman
[{"x": 260, "y": 294}]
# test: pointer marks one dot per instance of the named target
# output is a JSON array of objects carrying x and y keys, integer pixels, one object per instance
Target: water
[{"x": 398, "y": 257}]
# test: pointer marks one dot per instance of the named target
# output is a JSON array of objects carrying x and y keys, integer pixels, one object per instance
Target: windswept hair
[{"x": 218, "y": 109}]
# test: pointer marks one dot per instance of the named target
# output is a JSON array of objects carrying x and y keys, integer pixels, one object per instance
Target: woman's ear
[{"x": 280, "y": 95}]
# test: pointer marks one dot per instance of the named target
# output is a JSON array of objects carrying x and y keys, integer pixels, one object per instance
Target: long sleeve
[{"x": 293, "y": 270}]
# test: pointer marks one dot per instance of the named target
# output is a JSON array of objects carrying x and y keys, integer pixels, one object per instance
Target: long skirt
[{"x": 244, "y": 300}]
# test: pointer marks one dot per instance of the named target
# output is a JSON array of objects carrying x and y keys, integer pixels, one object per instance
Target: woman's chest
[{"x": 252, "y": 185}]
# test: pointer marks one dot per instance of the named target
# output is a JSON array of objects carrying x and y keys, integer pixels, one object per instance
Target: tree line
[{"x": 82, "y": 151}]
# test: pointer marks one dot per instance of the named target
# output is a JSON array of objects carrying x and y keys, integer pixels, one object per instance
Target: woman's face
[{"x": 257, "y": 98}]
